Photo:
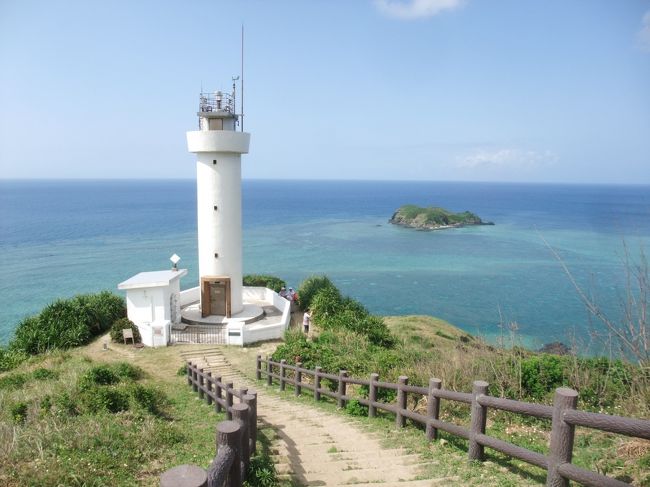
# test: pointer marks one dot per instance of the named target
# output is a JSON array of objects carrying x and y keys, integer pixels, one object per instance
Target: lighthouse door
[
  {"x": 218, "y": 298},
  {"x": 215, "y": 296}
]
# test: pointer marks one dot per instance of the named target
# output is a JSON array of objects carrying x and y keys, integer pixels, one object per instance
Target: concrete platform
[{"x": 191, "y": 315}]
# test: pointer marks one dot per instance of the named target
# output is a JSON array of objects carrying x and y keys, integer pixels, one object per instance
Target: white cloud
[
  {"x": 644, "y": 33},
  {"x": 506, "y": 158},
  {"x": 415, "y": 9}
]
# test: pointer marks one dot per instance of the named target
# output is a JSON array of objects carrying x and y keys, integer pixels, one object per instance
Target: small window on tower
[
  {"x": 216, "y": 255},
  {"x": 214, "y": 161},
  {"x": 215, "y": 207}
]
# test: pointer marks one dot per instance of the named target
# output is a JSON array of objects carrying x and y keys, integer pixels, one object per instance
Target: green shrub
[
  {"x": 61, "y": 324},
  {"x": 263, "y": 280},
  {"x": 261, "y": 472},
  {"x": 355, "y": 408},
  {"x": 67, "y": 323},
  {"x": 97, "y": 399},
  {"x": 98, "y": 375},
  {"x": 326, "y": 303},
  {"x": 13, "y": 381},
  {"x": 121, "y": 324},
  {"x": 147, "y": 398},
  {"x": 182, "y": 370},
  {"x": 44, "y": 374},
  {"x": 125, "y": 370},
  {"x": 65, "y": 404},
  {"x": 541, "y": 374},
  {"x": 46, "y": 404},
  {"x": 19, "y": 412},
  {"x": 104, "y": 309},
  {"x": 310, "y": 287},
  {"x": 10, "y": 358}
]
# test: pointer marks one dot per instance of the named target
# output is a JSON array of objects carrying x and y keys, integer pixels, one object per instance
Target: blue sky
[{"x": 473, "y": 90}]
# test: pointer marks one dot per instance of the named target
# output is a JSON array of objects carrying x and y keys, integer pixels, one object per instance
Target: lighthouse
[{"x": 218, "y": 147}]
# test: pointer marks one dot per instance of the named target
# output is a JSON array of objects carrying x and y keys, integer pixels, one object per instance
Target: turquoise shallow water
[{"x": 65, "y": 237}]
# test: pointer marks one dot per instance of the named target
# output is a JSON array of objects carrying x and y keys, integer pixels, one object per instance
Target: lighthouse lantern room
[{"x": 218, "y": 147}]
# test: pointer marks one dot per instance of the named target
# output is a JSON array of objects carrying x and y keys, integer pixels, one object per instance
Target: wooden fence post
[
  {"x": 400, "y": 419},
  {"x": 283, "y": 372},
  {"x": 242, "y": 392},
  {"x": 201, "y": 384},
  {"x": 478, "y": 421},
  {"x": 298, "y": 378},
  {"x": 228, "y": 434},
  {"x": 269, "y": 370},
  {"x": 184, "y": 476},
  {"x": 340, "y": 401},
  {"x": 562, "y": 434},
  {"x": 217, "y": 393},
  {"x": 372, "y": 395},
  {"x": 229, "y": 389},
  {"x": 195, "y": 387},
  {"x": 250, "y": 400},
  {"x": 258, "y": 367},
  {"x": 317, "y": 383},
  {"x": 240, "y": 415},
  {"x": 209, "y": 387},
  {"x": 433, "y": 408}
]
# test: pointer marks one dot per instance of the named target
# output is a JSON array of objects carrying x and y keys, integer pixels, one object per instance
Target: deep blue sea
[{"x": 59, "y": 238}]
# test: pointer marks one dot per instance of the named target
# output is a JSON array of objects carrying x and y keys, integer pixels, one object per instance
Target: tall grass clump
[
  {"x": 332, "y": 311},
  {"x": 310, "y": 287},
  {"x": 63, "y": 324}
]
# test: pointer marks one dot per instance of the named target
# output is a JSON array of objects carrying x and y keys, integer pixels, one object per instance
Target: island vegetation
[{"x": 433, "y": 218}]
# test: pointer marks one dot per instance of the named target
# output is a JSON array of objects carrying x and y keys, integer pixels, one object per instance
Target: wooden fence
[
  {"x": 236, "y": 437},
  {"x": 563, "y": 415}
]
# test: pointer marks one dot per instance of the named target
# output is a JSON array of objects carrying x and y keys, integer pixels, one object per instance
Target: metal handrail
[{"x": 217, "y": 101}]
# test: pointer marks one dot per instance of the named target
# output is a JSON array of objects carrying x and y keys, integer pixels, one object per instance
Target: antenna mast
[{"x": 242, "y": 77}]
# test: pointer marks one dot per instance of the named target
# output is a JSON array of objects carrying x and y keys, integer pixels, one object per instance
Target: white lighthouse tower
[{"x": 218, "y": 147}]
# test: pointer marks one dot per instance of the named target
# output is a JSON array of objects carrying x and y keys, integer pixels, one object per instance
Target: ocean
[{"x": 60, "y": 238}]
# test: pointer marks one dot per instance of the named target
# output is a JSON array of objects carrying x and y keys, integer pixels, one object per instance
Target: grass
[
  {"x": 46, "y": 438},
  {"x": 446, "y": 458},
  {"x": 613, "y": 455}
]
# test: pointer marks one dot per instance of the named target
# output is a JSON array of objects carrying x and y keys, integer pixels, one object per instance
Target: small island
[{"x": 433, "y": 218}]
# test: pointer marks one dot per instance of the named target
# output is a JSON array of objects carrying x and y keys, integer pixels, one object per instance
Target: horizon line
[{"x": 334, "y": 180}]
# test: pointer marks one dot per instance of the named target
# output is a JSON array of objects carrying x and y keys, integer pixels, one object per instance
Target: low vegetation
[
  {"x": 61, "y": 325},
  {"x": 424, "y": 347},
  {"x": 119, "y": 326},
  {"x": 88, "y": 417},
  {"x": 263, "y": 280}
]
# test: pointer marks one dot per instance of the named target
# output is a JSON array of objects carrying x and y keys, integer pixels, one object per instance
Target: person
[
  {"x": 306, "y": 321},
  {"x": 283, "y": 293},
  {"x": 291, "y": 294}
]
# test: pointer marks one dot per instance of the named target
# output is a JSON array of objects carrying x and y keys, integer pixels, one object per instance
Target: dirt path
[{"x": 317, "y": 448}]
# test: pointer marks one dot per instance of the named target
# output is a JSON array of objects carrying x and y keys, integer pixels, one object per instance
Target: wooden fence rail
[
  {"x": 236, "y": 437},
  {"x": 563, "y": 416}
]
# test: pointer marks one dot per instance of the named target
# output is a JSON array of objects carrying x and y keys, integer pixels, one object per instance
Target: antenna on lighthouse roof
[{"x": 242, "y": 77}]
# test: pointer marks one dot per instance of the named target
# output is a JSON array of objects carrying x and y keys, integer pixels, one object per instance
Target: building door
[
  {"x": 215, "y": 296},
  {"x": 218, "y": 298}
]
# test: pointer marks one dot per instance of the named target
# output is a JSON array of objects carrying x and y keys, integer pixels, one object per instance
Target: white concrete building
[{"x": 153, "y": 304}]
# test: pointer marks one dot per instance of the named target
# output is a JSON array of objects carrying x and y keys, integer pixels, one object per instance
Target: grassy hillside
[
  {"x": 422, "y": 347},
  {"x": 89, "y": 417}
]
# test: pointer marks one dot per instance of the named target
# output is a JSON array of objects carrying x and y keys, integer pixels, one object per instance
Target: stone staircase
[{"x": 312, "y": 447}]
